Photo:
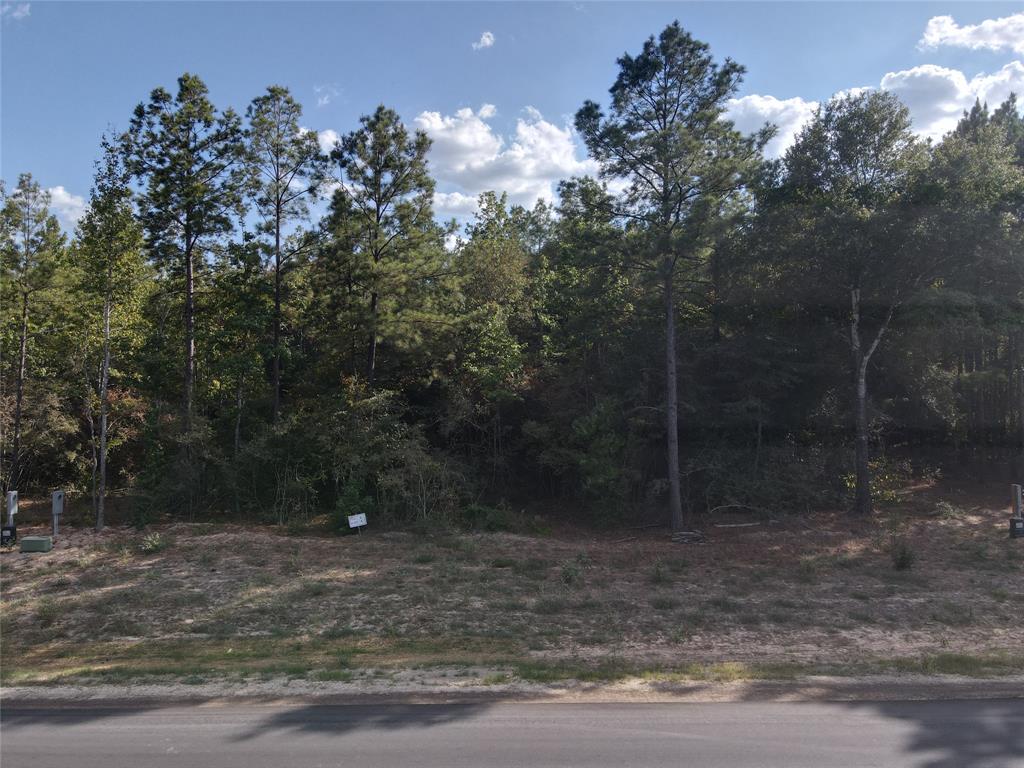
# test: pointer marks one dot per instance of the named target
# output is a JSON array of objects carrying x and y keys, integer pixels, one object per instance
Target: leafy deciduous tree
[
  {"x": 32, "y": 248},
  {"x": 110, "y": 255},
  {"x": 850, "y": 190}
]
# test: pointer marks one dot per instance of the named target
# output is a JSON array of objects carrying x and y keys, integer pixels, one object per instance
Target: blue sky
[{"x": 499, "y": 112}]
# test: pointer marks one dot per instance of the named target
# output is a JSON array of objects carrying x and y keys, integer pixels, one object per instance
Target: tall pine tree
[
  {"x": 665, "y": 135},
  {"x": 189, "y": 159}
]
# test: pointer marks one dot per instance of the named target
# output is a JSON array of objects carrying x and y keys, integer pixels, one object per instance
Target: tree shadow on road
[
  {"x": 989, "y": 734},
  {"x": 344, "y": 718},
  {"x": 14, "y": 715},
  {"x": 294, "y": 718},
  {"x": 950, "y": 728}
]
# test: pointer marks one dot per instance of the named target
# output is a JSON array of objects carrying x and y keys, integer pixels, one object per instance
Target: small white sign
[{"x": 356, "y": 521}]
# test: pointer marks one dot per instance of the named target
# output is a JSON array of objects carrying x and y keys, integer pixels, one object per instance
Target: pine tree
[
  {"x": 386, "y": 247},
  {"x": 666, "y": 137},
  {"x": 189, "y": 159},
  {"x": 287, "y": 171}
]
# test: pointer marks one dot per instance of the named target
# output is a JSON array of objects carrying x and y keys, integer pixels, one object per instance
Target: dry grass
[{"x": 810, "y": 593}]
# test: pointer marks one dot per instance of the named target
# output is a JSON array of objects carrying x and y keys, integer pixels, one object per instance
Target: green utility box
[{"x": 36, "y": 543}]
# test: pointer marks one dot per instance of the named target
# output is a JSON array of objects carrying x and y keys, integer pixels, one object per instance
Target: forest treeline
[{"x": 698, "y": 327}]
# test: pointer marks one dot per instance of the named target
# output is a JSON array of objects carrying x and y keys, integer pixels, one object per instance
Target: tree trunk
[
  {"x": 371, "y": 353},
  {"x": 672, "y": 408},
  {"x": 190, "y": 338},
  {"x": 238, "y": 417},
  {"x": 19, "y": 394},
  {"x": 1020, "y": 417},
  {"x": 94, "y": 475},
  {"x": 277, "y": 314},
  {"x": 862, "y": 503},
  {"x": 1020, "y": 408},
  {"x": 101, "y": 494}
]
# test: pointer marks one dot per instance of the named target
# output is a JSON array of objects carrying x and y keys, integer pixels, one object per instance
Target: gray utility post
[
  {"x": 12, "y": 506},
  {"x": 58, "y": 509}
]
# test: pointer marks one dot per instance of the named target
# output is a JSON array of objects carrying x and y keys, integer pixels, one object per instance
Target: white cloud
[
  {"x": 325, "y": 93},
  {"x": 452, "y": 241},
  {"x": 327, "y": 139},
  {"x": 749, "y": 113},
  {"x": 15, "y": 10},
  {"x": 469, "y": 157},
  {"x": 68, "y": 207},
  {"x": 454, "y": 203},
  {"x": 855, "y": 91},
  {"x": 937, "y": 96},
  {"x": 991, "y": 34},
  {"x": 486, "y": 41}
]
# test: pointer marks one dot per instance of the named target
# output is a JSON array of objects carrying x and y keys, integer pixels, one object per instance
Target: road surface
[{"x": 936, "y": 734}]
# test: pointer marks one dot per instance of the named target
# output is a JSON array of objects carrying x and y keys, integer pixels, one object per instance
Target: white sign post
[
  {"x": 58, "y": 509},
  {"x": 357, "y": 521},
  {"x": 12, "y": 506}
]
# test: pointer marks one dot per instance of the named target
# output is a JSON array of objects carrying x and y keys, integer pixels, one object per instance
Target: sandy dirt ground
[{"x": 787, "y": 597}]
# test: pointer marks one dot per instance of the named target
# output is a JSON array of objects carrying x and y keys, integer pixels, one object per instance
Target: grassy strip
[
  {"x": 314, "y": 657},
  {"x": 193, "y": 660}
]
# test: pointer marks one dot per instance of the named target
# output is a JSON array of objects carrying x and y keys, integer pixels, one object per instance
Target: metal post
[
  {"x": 1018, "y": 505},
  {"x": 58, "y": 509},
  {"x": 12, "y": 506}
]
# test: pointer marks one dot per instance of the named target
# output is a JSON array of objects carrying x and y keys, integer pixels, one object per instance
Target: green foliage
[
  {"x": 481, "y": 517},
  {"x": 684, "y": 166},
  {"x": 349, "y": 452},
  {"x": 387, "y": 287},
  {"x": 351, "y": 501},
  {"x": 31, "y": 257},
  {"x": 272, "y": 368}
]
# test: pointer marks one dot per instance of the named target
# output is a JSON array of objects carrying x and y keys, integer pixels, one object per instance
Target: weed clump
[
  {"x": 948, "y": 511},
  {"x": 152, "y": 543},
  {"x": 572, "y": 574},
  {"x": 659, "y": 574}
]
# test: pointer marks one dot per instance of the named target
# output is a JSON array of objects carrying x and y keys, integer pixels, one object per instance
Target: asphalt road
[{"x": 953, "y": 734}]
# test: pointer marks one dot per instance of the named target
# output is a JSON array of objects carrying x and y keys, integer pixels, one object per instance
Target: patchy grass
[
  {"x": 818, "y": 592},
  {"x": 968, "y": 665}
]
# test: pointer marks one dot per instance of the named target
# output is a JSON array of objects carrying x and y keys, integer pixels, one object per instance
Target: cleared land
[{"x": 814, "y": 594}]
